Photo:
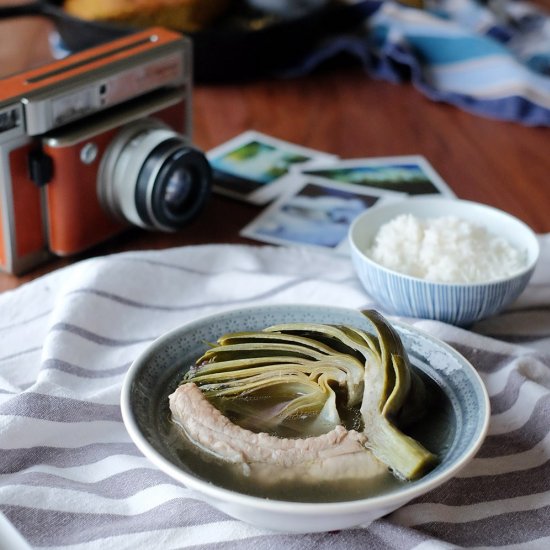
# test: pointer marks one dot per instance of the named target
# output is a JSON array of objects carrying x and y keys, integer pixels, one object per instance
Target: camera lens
[
  {"x": 152, "y": 178},
  {"x": 178, "y": 190},
  {"x": 167, "y": 191}
]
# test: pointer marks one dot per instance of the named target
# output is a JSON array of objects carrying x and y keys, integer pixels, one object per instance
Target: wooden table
[{"x": 344, "y": 112}]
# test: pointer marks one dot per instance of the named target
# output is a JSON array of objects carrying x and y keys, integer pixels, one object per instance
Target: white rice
[{"x": 446, "y": 249}]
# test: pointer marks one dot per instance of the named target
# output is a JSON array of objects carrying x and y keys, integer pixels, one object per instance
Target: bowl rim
[
  {"x": 358, "y": 253},
  {"x": 220, "y": 494}
]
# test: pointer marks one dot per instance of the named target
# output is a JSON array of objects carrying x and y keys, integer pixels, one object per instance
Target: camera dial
[{"x": 151, "y": 177}]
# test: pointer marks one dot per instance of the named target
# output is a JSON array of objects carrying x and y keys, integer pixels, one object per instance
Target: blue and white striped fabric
[{"x": 488, "y": 58}]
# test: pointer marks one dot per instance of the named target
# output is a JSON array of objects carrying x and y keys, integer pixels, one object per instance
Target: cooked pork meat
[{"x": 338, "y": 454}]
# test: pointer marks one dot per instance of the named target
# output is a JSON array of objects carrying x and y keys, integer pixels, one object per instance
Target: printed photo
[
  {"x": 315, "y": 213},
  {"x": 253, "y": 166},
  {"x": 412, "y": 175}
]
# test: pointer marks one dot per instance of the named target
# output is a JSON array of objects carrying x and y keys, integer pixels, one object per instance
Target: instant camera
[{"x": 95, "y": 143}]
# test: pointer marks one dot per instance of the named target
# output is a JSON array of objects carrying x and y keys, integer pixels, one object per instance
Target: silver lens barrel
[{"x": 152, "y": 178}]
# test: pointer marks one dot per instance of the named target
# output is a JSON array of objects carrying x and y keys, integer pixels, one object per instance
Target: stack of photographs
[{"x": 310, "y": 197}]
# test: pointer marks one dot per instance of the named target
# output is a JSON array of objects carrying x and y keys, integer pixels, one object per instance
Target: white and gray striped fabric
[{"x": 71, "y": 478}]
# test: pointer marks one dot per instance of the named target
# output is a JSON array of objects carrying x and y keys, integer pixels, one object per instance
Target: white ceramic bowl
[
  {"x": 454, "y": 431},
  {"x": 458, "y": 304}
]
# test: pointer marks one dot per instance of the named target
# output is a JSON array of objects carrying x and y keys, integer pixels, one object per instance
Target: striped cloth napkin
[
  {"x": 71, "y": 478},
  {"x": 488, "y": 57}
]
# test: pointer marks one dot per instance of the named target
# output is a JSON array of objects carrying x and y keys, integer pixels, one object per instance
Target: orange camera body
[{"x": 95, "y": 142}]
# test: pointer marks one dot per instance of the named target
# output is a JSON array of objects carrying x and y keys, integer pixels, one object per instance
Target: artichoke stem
[{"x": 405, "y": 456}]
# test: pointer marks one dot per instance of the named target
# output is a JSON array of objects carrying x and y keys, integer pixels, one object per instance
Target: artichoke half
[{"x": 304, "y": 379}]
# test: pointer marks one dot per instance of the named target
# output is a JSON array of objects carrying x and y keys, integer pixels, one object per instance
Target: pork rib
[{"x": 336, "y": 455}]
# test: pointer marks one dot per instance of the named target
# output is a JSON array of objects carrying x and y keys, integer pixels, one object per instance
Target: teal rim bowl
[{"x": 455, "y": 430}]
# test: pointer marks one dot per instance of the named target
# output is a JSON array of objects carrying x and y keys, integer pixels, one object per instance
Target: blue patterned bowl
[
  {"x": 458, "y": 304},
  {"x": 454, "y": 431}
]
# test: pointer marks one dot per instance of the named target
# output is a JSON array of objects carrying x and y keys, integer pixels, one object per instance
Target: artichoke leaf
[
  {"x": 352, "y": 348},
  {"x": 321, "y": 407},
  {"x": 266, "y": 337},
  {"x": 239, "y": 364},
  {"x": 270, "y": 401},
  {"x": 332, "y": 333},
  {"x": 386, "y": 390},
  {"x": 390, "y": 344},
  {"x": 328, "y": 418},
  {"x": 400, "y": 391},
  {"x": 265, "y": 342},
  {"x": 257, "y": 349},
  {"x": 362, "y": 338},
  {"x": 283, "y": 382},
  {"x": 247, "y": 370},
  {"x": 286, "y": 384},
  {"x": 403, "y": 388}
]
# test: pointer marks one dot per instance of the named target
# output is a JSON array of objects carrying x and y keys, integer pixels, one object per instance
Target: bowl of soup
[{"x": 343, "y": 417}]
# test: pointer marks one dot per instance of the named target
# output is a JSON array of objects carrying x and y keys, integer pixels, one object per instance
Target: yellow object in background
[
  {"x": 419, "y": 4},
  {"x": 188, "y": 15}
]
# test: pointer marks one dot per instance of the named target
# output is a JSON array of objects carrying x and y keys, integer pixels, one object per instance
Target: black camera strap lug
[{"x": 40, "y": 167}]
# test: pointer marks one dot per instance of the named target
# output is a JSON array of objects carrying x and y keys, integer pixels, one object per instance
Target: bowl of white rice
[{"x": 446, "y": 259}]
